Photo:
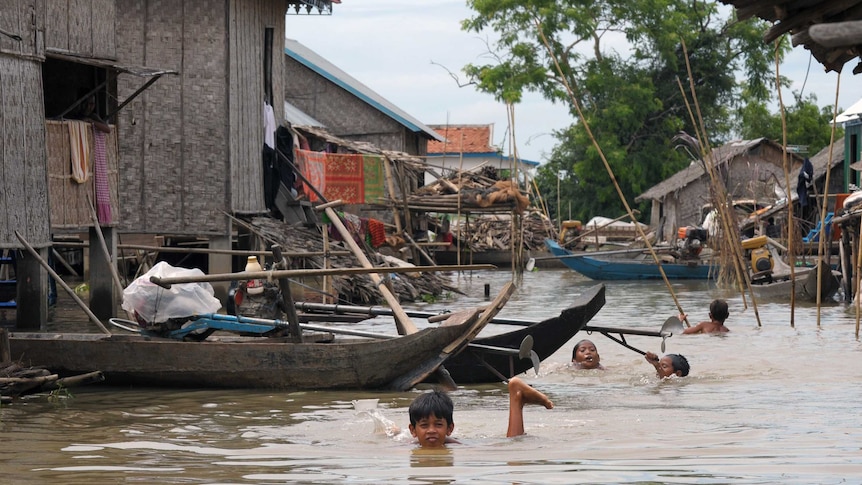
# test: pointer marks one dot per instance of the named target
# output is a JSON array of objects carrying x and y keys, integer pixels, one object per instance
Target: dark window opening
[
  {"x": 267, "y": 64},
  {"x": 65, "y": 83}
]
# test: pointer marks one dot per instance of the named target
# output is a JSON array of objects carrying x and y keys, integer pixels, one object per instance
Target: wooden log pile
[
  {"x": 466, "y": 190},
  {"x": 494, "y": 232},
  {"x": 17, "y": 380},
  {"x": 356, "y": 289}
]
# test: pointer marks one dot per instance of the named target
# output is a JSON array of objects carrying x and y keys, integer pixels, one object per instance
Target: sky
[{"x": 408, "y": 50}]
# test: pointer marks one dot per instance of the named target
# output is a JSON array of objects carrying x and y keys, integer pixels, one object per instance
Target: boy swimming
[{"x": 431, "y": 414}]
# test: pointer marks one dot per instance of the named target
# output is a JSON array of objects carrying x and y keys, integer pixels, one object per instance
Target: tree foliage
[
  {"x": 807, "y": 124},
  {"x": 625, "y": 63}
]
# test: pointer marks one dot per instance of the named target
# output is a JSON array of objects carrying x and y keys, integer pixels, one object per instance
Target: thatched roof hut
[{"x": 748, "y": 168}]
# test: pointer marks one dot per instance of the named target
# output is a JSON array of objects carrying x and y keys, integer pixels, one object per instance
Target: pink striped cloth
[{"x": 100, "y": 172}]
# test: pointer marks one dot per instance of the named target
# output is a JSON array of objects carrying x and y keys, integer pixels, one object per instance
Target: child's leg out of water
[{"x": 521, "y": 394}]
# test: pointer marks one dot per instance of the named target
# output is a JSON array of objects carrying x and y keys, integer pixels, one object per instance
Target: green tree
[
  {"x": 624, "y": 61},
  {"x": 807, "y": 124}
]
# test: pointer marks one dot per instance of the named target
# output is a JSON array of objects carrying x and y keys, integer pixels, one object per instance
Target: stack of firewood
[
  {"x": 465, "y": 189},
  {"x": 494, "y": 232}
]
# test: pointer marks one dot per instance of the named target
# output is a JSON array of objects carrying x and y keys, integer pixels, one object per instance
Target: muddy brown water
[{"x": 763, "y": 404}]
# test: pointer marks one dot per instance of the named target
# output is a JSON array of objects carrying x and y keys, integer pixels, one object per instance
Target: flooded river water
[{"x": 763, "y": 404}]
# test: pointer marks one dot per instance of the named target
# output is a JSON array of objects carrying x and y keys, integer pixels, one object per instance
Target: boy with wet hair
[
  {"x": 718, "y": 313},
  {"x": 669, "y": 365},
  {"x": 431, "y": 421}
]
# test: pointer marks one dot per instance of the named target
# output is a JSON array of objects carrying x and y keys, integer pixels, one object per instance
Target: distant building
[
  {"x": 749, "y": 169},
  {"x": 466, "y": 147},
  {"x": 346, "y": 107}
]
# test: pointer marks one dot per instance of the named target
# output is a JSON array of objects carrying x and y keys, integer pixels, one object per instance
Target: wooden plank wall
[
  {"x": 25, "y": 18},
  {"x": 70, "y": 209},
  {"x": 248, "y": 20},
  {"x": 173, "y": 147},
  {"x": 85, "y": 27},
  {"x": 23, "y": 177}
]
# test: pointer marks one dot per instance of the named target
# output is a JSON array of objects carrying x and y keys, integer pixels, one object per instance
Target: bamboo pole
[
  {"x": 104, "y": 246},
  {"x": 274, "y": 274},
  {"x": 731, "y": 237},
  {"x": 608, "y": 167},
  {"x": 823, "y": 232},
  {"x": 232, "y": 252},
  {"x": 402, "y": 321},
  {"x": 286, "y": 296},
  {"x": 62, "y": 283},
  {"x": 325, "y": 233}
]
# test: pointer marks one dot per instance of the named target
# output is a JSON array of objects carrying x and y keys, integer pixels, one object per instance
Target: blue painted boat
[{"x": 619, "y": 267}]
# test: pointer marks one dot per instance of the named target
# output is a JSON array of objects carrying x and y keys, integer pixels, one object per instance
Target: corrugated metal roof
[
  {"x": 321, "y": 66},
  {"x": 296, "y": 116}
]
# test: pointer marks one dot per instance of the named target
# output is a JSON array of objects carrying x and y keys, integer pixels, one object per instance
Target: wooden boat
[
  {"x": 495, "y": 358},
  {"x": 475, "y": 364},
  {"x": 777, "y": 287},
  {"x": 323, "y": 362},
  {"x": 629, "y": 265}
]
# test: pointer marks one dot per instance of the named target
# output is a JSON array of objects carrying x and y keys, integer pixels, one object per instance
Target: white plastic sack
[{"x": 153, "y": 304}]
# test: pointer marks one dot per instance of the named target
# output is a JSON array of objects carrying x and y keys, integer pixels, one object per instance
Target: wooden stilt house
[{"x": 178, "y": 154}]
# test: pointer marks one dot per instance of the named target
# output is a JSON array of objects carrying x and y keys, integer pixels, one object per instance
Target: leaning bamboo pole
[
  {"x": 728, "y": 222},
  {"x": 822, "y": 239},
  {"x": 791, "y": 226},
  {"x": 607, "y": 165}
]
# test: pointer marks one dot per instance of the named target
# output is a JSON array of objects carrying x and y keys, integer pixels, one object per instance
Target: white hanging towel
[{"x": 268, "y": 126}]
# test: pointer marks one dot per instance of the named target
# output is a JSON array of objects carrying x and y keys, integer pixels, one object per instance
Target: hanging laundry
[
  {"x": 804, "y": 181},
  {"x": 345, "y": 179},
  {"x": 313, "y": 167},
  {"x": 80, "y": 134},
  {"x": 372, "y": 166},
  {"x": 100, "y": 174},
  {"x": 268, "y": 126}
]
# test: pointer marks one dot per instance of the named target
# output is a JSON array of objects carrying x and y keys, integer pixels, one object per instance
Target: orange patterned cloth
[
  {"x": 345, "y": 179},
  {"x": 313, "y": 168}
]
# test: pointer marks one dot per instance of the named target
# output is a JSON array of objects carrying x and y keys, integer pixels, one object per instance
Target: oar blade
[
  {"x": 672, "y": 326},
  {"x": 526, "y": 347}
]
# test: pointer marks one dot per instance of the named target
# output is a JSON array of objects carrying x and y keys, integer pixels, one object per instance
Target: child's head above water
[
  {"x": 431, "y": 419},
  {"x": 585, "y": 355},
  {"x": 679, "y": 363},
  {"x": 718, "y": 310},
  {"x": 436, "y": 403}
]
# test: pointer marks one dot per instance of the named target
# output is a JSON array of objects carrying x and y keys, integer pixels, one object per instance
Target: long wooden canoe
[
  {"x": 228, "y": 361},
  {"x": 548, "y": 337},
  {"x": 619, "y": 268}
]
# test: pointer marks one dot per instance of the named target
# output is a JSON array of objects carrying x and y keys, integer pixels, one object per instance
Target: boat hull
[
  {"x": 548, "y": 337},
  {"x": 805, "y": 288},
  {"x": 607, "y": 268},
  {"x": 238, "y": 362}
]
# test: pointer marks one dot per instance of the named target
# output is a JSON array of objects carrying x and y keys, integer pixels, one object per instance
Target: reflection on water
[{"x": 768, "y": 404}]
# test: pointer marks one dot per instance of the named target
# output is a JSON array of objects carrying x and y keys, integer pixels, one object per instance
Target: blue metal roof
[
  {"x": 482, "y": 155},
  {"x": 329, "y": 71}
]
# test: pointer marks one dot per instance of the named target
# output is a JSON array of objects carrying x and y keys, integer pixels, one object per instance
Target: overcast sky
[{"x": 402, "y": 49}]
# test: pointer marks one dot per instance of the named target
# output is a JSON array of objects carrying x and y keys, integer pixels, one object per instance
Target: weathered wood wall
[
  {"x": 85, "y": 27},
  {"x": 191, "y": 144},
  {"x": 344, "y": 114},
  {"x": 248, "y": 21},
  {"x": 23, "y": 184},
  {"x": 70, "y": 208}
]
